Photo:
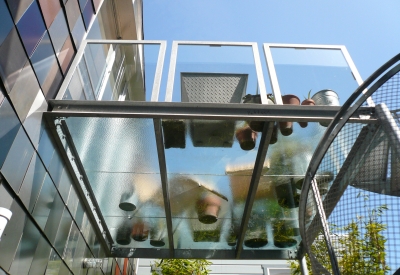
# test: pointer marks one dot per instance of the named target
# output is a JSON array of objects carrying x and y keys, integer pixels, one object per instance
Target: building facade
[{"x": 49, "y": 231}]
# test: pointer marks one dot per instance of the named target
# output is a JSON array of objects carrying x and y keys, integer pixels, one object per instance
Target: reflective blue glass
[
  {"x": 43, "y": 58},
  {"x": 78, "y": 32},
  {"x": 6, "y": 21},
  {"x": 31, "y": 27},
  {"x": 11, "y": 49},
  {"x": 88, "y": 14},
  {"x": 58, "y": 31},
  {"x": 8, "y": 130}
]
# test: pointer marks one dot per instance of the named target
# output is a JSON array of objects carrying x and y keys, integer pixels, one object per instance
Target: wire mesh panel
[{"x": 360, "y": 197}]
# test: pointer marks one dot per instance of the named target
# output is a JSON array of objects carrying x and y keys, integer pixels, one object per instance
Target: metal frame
[
  {"x": 174, "y": 55},
  {"x": 80, "y": 180},
  {"x": 158, "y": 73},
  {"x": 349, "y": 108},
  {"x": 261, "y": 112},
  {"x": 271, "y": 67},
  {"x": 255, "y": 178},
  {"x": 164, "y": 183},
  {"x": 158, "y": 110}
]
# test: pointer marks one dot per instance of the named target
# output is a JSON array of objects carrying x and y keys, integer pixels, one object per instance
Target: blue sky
[{"x": 369, "y": 29}]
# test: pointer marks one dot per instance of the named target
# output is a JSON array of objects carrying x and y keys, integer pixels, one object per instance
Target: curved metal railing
[{"x": 341, "y": 150}]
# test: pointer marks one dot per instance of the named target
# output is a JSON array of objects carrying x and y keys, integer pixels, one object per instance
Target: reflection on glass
[
  {"x": 31, "y": 27},
  {"x": 123, "y": 171},
  {"x": 214, "y": 74},
  {"x": 117, "y": 72},
  {"x": 301, "y": 70}
]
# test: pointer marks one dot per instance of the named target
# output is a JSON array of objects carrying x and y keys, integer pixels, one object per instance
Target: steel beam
[
  {"x": 164, "y": 182},
  {"x": 255, "y": 178},
  {"x": 217, "y": 111}
]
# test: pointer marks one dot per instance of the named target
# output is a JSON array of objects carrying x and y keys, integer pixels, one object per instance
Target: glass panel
[
  {"x": 24, "y": 91},
  {"x": 17, "y": 161},
  {"x": 66, "y": 55},
  {"x": 116, "y": 72},
  {"x": 88, "y": 14},
  {"x": 49, "y": 8},
  {"x": 43, "y": 58},
  {"x": 26, "y": 249},
  {"x": 31, "y": 27},
  {"x": 32, "y": 182},
  {"x": 78, "y": 32},
  {"x": 40, "y": 258},
  {"x": 11, "y": 49},
  {"x": 11, "y": 236},
  {"x": 8, "y": 130},
  {"x": 209, "y": 157},
  {"x": 122, "y": 169},
  {"x": 54, "y": 219},
  {"x": 46, "y": 148},
  {"x": 45, "y": 202},
  {"x": 55, "y": 265},
  {"x": 18, "y": 8},
  {"x": 56, "y": 168},
  {"x": 73, "y": 12},
  {"x": 214, "y": 74},
  {"x": 62, "y": 232},
  {"x": 58, "y": 31},
  {"x": 301, "y": 70},
  {"x": 6, "y": 21}
]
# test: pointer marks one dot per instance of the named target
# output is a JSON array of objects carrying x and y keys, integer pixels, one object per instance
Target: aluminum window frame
[
  {"x": 79, "y": 55},
  {"x": 274, "y": 78},
  {"x": 174, "y": 56}
]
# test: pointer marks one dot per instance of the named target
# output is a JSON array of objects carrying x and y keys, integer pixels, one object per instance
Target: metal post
[
  {"x": 303, "y": 266},
  {"x": 325, "y": 227}
]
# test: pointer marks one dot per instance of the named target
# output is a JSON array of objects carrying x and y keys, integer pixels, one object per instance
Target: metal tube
[
  {"x": 255, "y": 178},
  {"x": 303, "y": 266}
]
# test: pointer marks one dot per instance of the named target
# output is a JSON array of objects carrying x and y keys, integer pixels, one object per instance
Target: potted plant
[
  {"x": 283, "y": 234},
  {"x": 207, "y": 208},
  {"x": 326, "y": 97},
  {"x": 307, "y": 101},
  {"x": 256, "y": 233},
  {"x": 127, "y": 201},
  {"x": 286, "y": 127},
  {"x": 323, "y": 179},
  {"x": 246, "y": 137},
  {"x": 158, "y": 234},
  {"x": 287, "y": 195},
  {"x": 174, "y": 131},
  {"x": 124, "y": 233},
  {"x": 140, "y": 231}
]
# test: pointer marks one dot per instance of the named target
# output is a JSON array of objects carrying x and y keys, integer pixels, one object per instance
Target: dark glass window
[{"x": 31, "y": 27}]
